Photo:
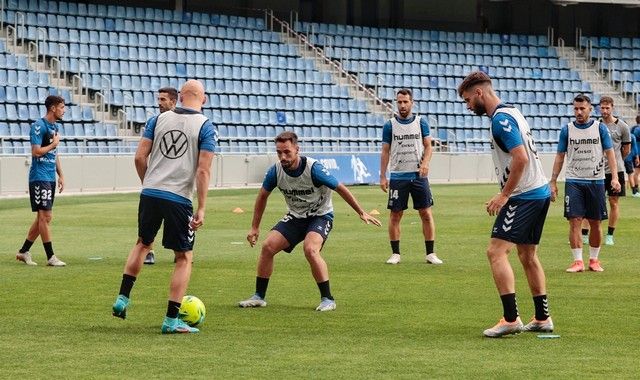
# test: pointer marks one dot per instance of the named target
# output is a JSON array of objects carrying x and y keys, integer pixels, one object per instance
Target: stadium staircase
[
  {"x": 336, "y": 68},
  {"x": 600, "y": 80}
]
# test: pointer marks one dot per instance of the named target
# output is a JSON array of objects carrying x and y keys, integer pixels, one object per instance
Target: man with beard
[
  {"x": 306, "y": 186},
  {"x": 585, "y": 143},
  {"x": 521, "y": 205},
  {"x": 406, "y": 151}
]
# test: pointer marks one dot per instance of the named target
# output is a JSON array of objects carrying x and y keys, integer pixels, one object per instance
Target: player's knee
[
  {"x": 268, "y": 248},
  {"x": 45, "y": 217},
  {"x": 395, "y": 217},
  {"x": 426, "y": 216}
]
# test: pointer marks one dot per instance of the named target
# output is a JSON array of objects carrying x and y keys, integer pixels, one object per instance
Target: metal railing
[
  {"x": 21, "y": 31},
  {"x": 107, "y": 90},
  {"x": 304, "y": 42},
  {"x": 100, "y": 104},
  {"x": 128, "y": 102}
]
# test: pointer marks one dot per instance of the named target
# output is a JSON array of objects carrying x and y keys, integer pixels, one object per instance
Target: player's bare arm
[
  {"x": 142, "y": 153},
  {"x": 60, "y": 175},
  {"x": 353, "y": 202},
  {"x": 258, "y": 211},
  {"x": 39, "y": 150},
  {"x": 519, "y": 161},
  {"x": 555, "y": 172},
  {"x": 611, "y": 158},
  {"x": 384, "y": 163},
  {"x": 426, "y": 157},
  {"x": 203, "y": 174}
]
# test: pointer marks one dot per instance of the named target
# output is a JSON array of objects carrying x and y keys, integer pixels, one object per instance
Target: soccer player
[
  {"x": 521, "y": 205},
  {"x": 585, "y": 143},
  {"x": 174, "y": 154},
  {"x": 621, "y": 140},
  {"x": 167, "y": 99},
  {"x": 630, "y": 162},
  {"x": 406, "y": 151},
  {"x": 635, "y": 130},
  {"x": 45, "y": 163},
  {"x": 306, "y": 186}
]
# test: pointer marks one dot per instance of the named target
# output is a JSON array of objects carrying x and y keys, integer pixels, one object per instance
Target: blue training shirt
[
  {"x": 633, "y": 152},
  {"x": 387, "y": 137},
  {"x": 43, "y": 168},
  {"x": 207, "y": 141}
]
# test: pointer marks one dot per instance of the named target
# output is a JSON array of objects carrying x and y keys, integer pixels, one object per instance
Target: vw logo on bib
[{"x": 174, "y": 144}]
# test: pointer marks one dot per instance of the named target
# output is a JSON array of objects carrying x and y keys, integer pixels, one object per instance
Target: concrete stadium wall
[{"x": 105, "y": 174}]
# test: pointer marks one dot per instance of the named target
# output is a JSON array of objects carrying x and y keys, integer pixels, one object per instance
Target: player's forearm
[
  {"x": 428, "y": 152},
  {"x": 202, "y": 187},
  {"x": 59, "y": 167},
  {"x": 557, "y": 167},
  {"x": 42, "y": 150},
  {"x": 258, "y": 210},
  {"x": 516, "y": 169},
  {"x": 625, "y": 151},
  {"x": 611, "y": 159},
  {"x": 349, "y": 198},
  {"x": 384, "y": 162}
]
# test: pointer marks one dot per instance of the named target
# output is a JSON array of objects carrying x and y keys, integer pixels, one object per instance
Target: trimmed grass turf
[{"x": 398, "y": 321}]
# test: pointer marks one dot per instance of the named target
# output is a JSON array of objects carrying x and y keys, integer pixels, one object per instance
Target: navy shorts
[
  {"x": 628, "y": 167},
  {"x": 41, "y": 194},
  {"x": 177, "y": 234},
  {"x": 584, "y": 200},
  {"x": 607, "y": 185},
  {"x": 520, "y": 221},
  {"x": 399, "y": 190},
  {"x": 296, "y": 229}
]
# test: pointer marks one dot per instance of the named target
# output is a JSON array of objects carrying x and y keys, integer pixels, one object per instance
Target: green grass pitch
[{"x": 412, "y": 320}]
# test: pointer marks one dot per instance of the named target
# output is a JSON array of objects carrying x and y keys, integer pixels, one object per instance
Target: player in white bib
[
  {"x": 173, "y": 158},
  {"x": 585, "y": 143},
  {"x": 307, "y": 187},
  {"x": 406, "y": 151},
  {"x": 521, "y": 205}
]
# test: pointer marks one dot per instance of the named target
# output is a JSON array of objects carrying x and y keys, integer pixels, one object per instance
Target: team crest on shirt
[{"x": 174, "y": 144}]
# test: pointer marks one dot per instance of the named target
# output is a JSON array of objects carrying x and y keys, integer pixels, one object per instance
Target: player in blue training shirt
[
  {"x": 406, "y": 151},
  {"x": 521, "y": 205},
  {"x": 306, "y": 186},
  {"x": 629, "y": 163},
  {"x": 635, "y": 130},
  {"x": 45, "y": 163},
  {"x": 586, "y": 143},
  {"x": 174, "y": 156}
]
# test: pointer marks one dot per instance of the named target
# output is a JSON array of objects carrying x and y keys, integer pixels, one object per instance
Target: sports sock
[
  {"x": 126, "y": 284},
  {"x": 634, "y": 189},
  {"x": 594, "y": 252},
  {"x": 610, "y": 230},
  {"x": 26, "y": 246},
  {"x": 509, "y": 307},
  {"x": 429, "y": 246},
  {"x": 325, "y": 290},
  {"x": 542, "y": 307},
  {"x": 172, "y": 309},
  {"x": 48, "y": 249},
  {"x": 577, "y": 253},
  {"x": 261, "y": 286},
  {"x": 585, "y": 231},
  {"x": 395, "y": 246}
]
